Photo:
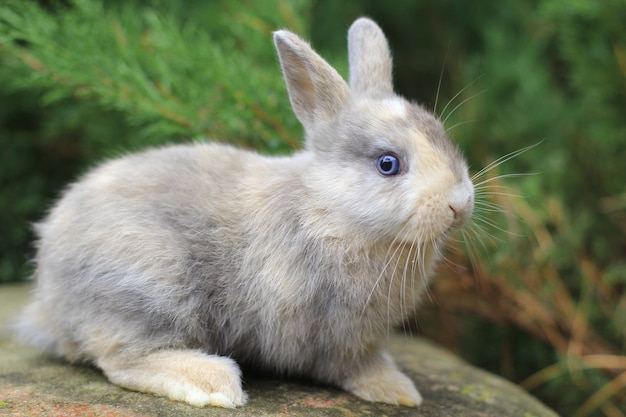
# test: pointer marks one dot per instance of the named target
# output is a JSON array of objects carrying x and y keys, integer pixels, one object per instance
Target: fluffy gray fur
[{"x": 165, "y": 267}]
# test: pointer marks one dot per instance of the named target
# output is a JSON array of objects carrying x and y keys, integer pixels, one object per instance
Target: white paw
[
  {"x": 189, "y": 394},
  {"x": 189, "y": 376},
  {"x": 198, "y": 398},
  {"x": 392, "y": 389},
  {"x": 220, "y": 400},
  {"x": 383, "y": 382}
]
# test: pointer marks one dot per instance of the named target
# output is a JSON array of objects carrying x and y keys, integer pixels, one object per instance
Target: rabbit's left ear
[
  {"x": 370, "y": 59},
  {"x": 317, "y": 92}
]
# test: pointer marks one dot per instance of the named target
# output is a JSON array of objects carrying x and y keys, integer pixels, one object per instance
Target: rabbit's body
[
  {"x": 152, "y": 273},
  {"x": 156, "y": 263}
]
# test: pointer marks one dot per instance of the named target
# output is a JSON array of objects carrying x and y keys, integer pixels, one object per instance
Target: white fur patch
[{"x": 392, "y": 109}]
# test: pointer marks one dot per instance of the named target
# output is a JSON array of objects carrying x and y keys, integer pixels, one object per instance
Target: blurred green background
[{"x": 536, "y": 292}]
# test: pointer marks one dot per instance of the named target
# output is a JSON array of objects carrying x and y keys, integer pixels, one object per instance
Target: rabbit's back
[{"x": 132, "y": 252}]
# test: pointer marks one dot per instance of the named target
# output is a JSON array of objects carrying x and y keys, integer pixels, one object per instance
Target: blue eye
[{"x": 388, "y": 164}]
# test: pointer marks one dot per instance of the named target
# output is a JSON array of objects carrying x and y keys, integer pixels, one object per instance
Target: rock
[{"x": 33, "y": 385}]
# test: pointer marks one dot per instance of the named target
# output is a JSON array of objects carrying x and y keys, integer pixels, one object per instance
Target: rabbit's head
[{"x": 381, "y": 166}]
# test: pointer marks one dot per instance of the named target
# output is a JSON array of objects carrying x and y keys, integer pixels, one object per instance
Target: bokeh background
[{"x": 534, "y": 290}]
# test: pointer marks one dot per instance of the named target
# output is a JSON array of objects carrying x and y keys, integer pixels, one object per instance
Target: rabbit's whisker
[
  {"x": 443, "y": 111},
  {"x": 499, "y": 177},
  {"x": 465, "y": 122},
  {"x": 462, "y": 103},
  {"x": 443, "y": 67},
  {"x": 501, "y": 160},
  {"x": 395, "y": 246}
]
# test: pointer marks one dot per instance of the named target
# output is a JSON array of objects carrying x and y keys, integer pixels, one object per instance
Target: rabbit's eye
[{"x": 388, "y": 164}]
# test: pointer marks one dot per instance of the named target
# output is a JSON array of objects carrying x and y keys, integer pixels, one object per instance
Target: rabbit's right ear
[
  {"x": 316, "y": 90},
  {"x": 370, "y": 59}
]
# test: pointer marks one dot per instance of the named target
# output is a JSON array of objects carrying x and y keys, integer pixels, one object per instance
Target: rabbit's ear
[
  {"x": 370, "y": 59},
  {"x": 316, "y": 90}
]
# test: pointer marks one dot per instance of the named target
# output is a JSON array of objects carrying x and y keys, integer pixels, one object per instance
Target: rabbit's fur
[{"x": 165, "y": 267}]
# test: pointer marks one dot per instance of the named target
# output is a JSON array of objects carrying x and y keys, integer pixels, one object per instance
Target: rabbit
[{"x": 170, "y": 268}]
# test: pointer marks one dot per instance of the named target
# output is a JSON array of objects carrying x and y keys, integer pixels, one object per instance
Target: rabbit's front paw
[
  {"x": 189, "y": 376},
  {"x": 383, "y": 382}
]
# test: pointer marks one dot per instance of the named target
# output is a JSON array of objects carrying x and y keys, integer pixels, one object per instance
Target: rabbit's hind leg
[{"x": 190, "y": 376}]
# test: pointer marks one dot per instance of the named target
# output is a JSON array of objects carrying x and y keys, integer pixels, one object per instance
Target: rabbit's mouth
[{"x": 440, "y": 215}]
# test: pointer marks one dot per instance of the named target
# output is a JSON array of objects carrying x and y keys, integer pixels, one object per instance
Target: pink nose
[
  {"x": 461, "y": 201},
  {"x": 459, "y": 208}
]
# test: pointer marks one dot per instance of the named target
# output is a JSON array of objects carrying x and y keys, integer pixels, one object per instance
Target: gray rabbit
[{"x": 168, "y": 268}]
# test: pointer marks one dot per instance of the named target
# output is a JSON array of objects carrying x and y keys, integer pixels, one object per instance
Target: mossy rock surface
[{"x": 33, "y": 385}]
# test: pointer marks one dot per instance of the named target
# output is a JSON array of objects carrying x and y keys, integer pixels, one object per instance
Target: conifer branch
[{"x": 161, "y": 74}]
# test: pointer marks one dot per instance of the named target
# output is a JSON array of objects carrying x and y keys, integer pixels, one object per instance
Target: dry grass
[{"x": 511, "y": 282}]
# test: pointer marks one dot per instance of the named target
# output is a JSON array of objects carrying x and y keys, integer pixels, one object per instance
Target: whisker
[
  {"x": 422, "y": 263},
  {"x": 486, "y": 190},
  {"x": 482, "y": 235},
  {"x": 486, "y": 206},
  {"x": 415, "y": 271},
  {"x": 404, "y": 311},
  {"x": 500, "y": 194},
  {"x": 475, "y": 232},
  {"x": 443, "y": 67},
  {"x": 383, "y": 271},
  {"x": 444, "y": 258},
  {"x": 499, "y": 177},
  {"x": 393, "y": 275},
  {"x": 503, "y": 159},
  {"x": 394, "y": 250},
  {"x": 495, "y": 226},
  {"x": 471, "y": 250},
  {"x": 462, "y": 103},
  {"x": 459, "y": 93},
  {"x": 448, "y": 129}
]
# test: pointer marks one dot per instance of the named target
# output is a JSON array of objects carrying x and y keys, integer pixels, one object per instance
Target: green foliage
[
  {"x": 170, "y": 74},
  {"x": 93, "y": 79},
  {"x": 87, "y": 79}
]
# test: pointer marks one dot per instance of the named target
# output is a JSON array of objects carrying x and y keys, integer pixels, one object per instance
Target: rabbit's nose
[{"x": 461, "y": 202}]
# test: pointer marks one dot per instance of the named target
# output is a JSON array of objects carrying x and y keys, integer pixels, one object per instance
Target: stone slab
[{"x": 32, "y": 384}]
